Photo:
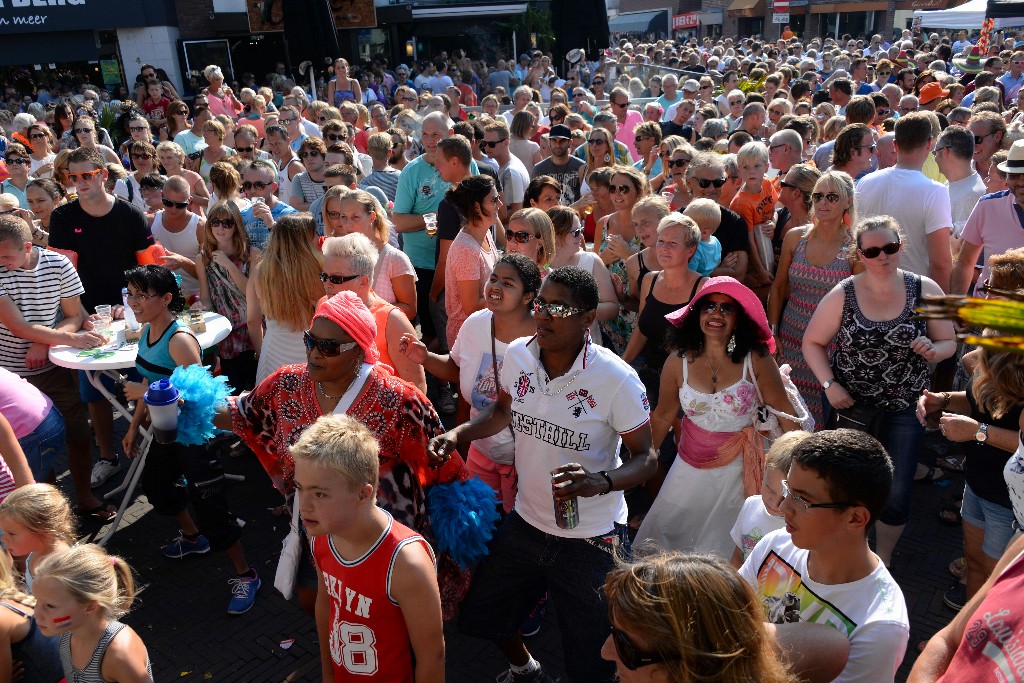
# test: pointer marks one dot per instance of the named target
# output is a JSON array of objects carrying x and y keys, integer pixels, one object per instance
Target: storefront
[
  {"x": 749, "y": 16},
  {"x": 853, "y": 18},
  {"x": 685, "y": 26},
  {"x": 711, "y": 23}
]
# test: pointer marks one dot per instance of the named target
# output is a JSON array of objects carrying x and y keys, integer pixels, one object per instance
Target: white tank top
[{"x": 184, "y": 243}]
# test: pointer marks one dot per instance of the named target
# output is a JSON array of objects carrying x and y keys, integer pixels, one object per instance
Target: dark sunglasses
[
  {"x": 82, "y": 130},
  {"x": 884, "y": 74},
  {"x": 138, "y": 129},
  {"x": 725, "y": 308},
  {"x": 168, "y": 203},
  {"x": 520, "y": 236},
  {"x": 336, "y": 279},
  {"x": 598, "y": 82},
  {"x": 631, "y": 657},
  {"x": 326, "y": 347},
  {"x": 491, "y": 145},
  {"x": 875, "y": 252},
  {"x": 620, "y": 189},
  {"x": 335, "y": 137},
  {"x": 978, "y": 138},
  {"x": 37, "y": 136},
  {"x": 245, "y": 150},
  {"x": 705, "y": 183},
  {"x": 86, "y": 176},
  {"x": 306, "y": 155},
  {"x": 142, "y": 156},
  {"x": 870, "y": 148},
  {"x": 259, "y": 185},
  {"x": 678, "y": 163},
  {"x": 19, "y": 162},
  {"x": 596, "y": 141},
  {"x": 830, "y": 197},
  {"x": 220, "y": 223}
]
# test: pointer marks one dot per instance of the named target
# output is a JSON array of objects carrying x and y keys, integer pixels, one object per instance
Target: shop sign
[
  {"x": 268, "y": 15},
  {"x": 780, "y": 18},
  {"x": 28, "y": 16},
  {"x": 687, "y": 20}
]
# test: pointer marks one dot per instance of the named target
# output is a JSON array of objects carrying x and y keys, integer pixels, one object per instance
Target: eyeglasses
[
  {"x": 705, "y": 183},
  {"x": 631, "y": 657},
  {"x": 783, "y": 183},
  {"x": 520, "y": 236},
  {"x": 245, "y": 150},
  {"x": 140, "y": 296},
  {"x": 596, "y": 141},
  {"x": 287, "y": 122},
  {"x": 138, "y": 129},
  {"x": 678, "y": 163},
  {"x": 725, "y": 308},
  {"x": 307, "y": 155},
  {"x": 19, "y": 162},
  {"x": 337, "y": 279},
  {"x": 979, "y": 138},
  {"x": 875, "y": 252},
  {"x": 258, "y": 185},
  {"x": 786, "y": 493},
  {"x": 84, "y": 177},
  {"x": 326, "y": 347},
  {"x": 335, "y": 137},
  {"x": 168, "y": 203},
  {"x": 830, "y": 197},
  {"x": 491, "y": 144},
  {"x": 37, "y": 136},
  {"x": 79, "y": 131},
  {"x": 777, "y": 112},
  {"x": 558, "y": 311},
  {"x": 410, "y": 99},
  {"x": 220, "y": 223}
]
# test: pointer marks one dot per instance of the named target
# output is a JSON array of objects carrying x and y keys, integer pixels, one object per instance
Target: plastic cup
[
  {"x": 162, "y": 399},
  {"x": 102, "y": 328},
  {"x": 430, "y": 223},
  {"x": 104, "y": 310}
]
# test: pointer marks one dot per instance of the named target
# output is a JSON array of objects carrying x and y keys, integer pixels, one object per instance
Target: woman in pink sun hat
[{"x": 720, "y": 359}]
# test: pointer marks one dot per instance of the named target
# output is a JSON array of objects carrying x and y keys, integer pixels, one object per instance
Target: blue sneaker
[
  {"x": 243, "y": 594},
  {"x": 531, "y": 625},
  {"x": 181, "y": 546}
]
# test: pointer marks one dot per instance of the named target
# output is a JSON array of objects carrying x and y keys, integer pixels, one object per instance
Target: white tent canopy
[{"x": 970, "y": 15}]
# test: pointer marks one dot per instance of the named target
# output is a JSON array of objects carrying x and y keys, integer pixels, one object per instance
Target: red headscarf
[{"x": 348, "y": 311}]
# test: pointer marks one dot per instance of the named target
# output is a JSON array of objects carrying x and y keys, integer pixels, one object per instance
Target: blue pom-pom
[
  {"x": 463, "y": 515},
  {"x": 203, "y": 394}
]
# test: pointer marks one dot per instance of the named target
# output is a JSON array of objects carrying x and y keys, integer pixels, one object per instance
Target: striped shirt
[
  {"x": 386, "y": 180},
  {"x": 37, "y": 293}
]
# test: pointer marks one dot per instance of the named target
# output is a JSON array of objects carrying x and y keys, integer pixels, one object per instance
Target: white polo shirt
[{"x": 577, "y": 417}]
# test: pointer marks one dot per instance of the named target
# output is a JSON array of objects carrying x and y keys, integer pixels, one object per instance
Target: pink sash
[{"x": 707, "y": 450}]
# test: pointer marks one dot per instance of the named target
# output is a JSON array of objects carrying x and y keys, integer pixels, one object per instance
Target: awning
[
  {"x": 746, "y": 8},
  {"x": 711, "y": 17},
  {"x": 847, "y": 7},
  {"x": 467, "y": 11},
  {"x": 49, "y": 48},
  {"x": 640, "y": 22}
]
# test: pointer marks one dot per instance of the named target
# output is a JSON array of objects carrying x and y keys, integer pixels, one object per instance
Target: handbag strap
[
  {"x": 494, "y": 365},
  {"x": 760, "y": 398}
]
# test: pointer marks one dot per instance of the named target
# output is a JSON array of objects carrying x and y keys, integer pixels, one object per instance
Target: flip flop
[
  {"x": 933, "y": 475},
  {"x": 951, "y": 464},
  {"x": 102, "y": 513}
]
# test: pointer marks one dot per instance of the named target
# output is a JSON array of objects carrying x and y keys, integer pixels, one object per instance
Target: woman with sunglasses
[
  {"x": 284, "y": 289},
  {"x": 666, "y": 146},
  {"x": 814, "y": 258},
  {"x": 341, "y": 374},
  {"x": 871, "y": 356},
  {"x": 177, "y": 120},
  {"x": 795, "y": 204},
  {"x": 143, "y": 156},
  {"x": 675, "y": 188},
  {"x": 200, "y": 508},
  {"x": 720, "y": 362},
  {"x": 85, "y": 130},
  {"x": 42, "y": 151},
  {"x": 18, "y": 162},
  {"x": 136, "y": 128},
  {"x": 529, "y": 232},
  {"x": 172, "y": 159},
  {"x": 357, "y": 211},
  {"x": 679, "y": 617},
  {"x": 223, "y": 267}
]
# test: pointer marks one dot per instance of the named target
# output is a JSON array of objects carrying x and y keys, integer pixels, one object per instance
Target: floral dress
[
  {"x": 700, "y": 499},
  {"x": 229, "y": 301},
  {"x": 616, "y": 332}
]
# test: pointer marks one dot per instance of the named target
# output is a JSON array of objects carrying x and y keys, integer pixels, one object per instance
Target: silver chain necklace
[{"x": 543, "y": 381}]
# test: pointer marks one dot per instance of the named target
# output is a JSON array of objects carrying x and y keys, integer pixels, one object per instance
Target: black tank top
[
  {"x": 653, "y": 325},
  {"x": 643, "y": 269}
]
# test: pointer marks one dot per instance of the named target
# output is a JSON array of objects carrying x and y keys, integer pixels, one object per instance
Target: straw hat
[{"x": 1014, "y": 160}]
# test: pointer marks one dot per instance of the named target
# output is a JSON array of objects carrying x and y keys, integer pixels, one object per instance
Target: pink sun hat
[{"x": 741, "y": 294}]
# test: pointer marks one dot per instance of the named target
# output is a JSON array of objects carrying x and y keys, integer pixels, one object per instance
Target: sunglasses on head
[
  {"x": 830, "y": 197},
  {"x": 326, "y": 347},
  {"x": 168, "y": 203},
  {"x": 86, "y": 176},
  {"x": 705, "y": 183},
  {"x": 258, "y": 184},
  {"x": 875, "y": 252},
  {"x": 336, "y": 279},
  {"x": 678, "y": 163},
  {"x": 520, "y": 236}
]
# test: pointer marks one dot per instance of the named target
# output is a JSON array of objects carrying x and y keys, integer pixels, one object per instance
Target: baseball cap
[
  {"x": 560, "y": 131},
  {"x": 691, "y": 85}
]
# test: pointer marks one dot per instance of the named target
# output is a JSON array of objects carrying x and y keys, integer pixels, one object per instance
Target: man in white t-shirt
[
  {"x": 954, "y": 151},
  {"x": 512, "y": 173},
  {"x": 570, "y": 403},
  {"x": 819, "y": 569},
  {"x": 919, "y": 205}
]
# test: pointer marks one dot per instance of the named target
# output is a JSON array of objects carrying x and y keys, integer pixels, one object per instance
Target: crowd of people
[{"x": 660, "y": 301}]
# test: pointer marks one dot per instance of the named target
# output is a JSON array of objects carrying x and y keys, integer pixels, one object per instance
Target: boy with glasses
[
  {"x": 290, "y": 120},
  {"x": 819, "y": 569}
]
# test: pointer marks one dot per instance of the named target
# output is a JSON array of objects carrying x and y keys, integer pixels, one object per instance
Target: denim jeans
[
  {"x": 44, "y": 444},
  {"x": 901, "y": 434},
  {"x": 526, "y": 562}
]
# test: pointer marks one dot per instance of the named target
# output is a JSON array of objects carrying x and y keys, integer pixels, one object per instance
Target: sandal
[
  {"x": 950, "y": 516},
  {"x": 951, "y": 463},
  {"x": 101, "y": 513},
  {"x": 958, "y": 568},
  {"x": 933, "y": 475}
]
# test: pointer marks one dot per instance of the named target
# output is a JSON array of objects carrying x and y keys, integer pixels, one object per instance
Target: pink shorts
[{"x": 502, "y": 478}]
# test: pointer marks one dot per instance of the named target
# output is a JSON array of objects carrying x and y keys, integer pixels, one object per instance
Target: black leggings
[{"x": 176, "y": 475}]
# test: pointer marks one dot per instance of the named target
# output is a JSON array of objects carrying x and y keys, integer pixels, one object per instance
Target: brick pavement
[{"x": 181, "y": 611}]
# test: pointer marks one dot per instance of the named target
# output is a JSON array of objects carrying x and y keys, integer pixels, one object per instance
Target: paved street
[{"x": 181, "y": 611}]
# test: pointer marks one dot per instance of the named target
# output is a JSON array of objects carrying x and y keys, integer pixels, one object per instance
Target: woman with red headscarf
[{"x": 342, "y": 375}]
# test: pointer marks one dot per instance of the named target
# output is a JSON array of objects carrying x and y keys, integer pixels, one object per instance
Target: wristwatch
[
  {"x": 982, "y": 435},
  {"x": 827, "y": 383}
]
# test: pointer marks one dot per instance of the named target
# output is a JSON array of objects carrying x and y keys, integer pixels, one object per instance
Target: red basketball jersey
[{"x": 368, "y": 637}]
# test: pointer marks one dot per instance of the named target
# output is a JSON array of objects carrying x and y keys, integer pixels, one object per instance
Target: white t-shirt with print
[
  {"x": 752, "y": 524},
  {"x": 472, "y": 353},
  {"x": 559, "y": 423},
  {"x": 871, "y": 611},
  {"x": 514, "y": 180}
]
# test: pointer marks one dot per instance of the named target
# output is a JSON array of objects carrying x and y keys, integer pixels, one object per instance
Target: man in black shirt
[
  {"x": 705, "y": 177},
  {"x": 561, "y": 166},
  {"x": 103, "y": 237},
  {"x": 678, "y": 124}
]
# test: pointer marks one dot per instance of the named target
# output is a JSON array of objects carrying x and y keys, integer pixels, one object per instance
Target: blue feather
[
  {"x": 463, "y": 515},
  {"x": 203, "y": 394}
]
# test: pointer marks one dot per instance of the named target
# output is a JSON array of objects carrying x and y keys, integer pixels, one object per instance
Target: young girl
[
  {"x": 21, "y": 641},
  {"x": 222, "y": 268},
  {"x": 37, "y": 522},
  {"x": 760, "y": 515},
  {"x": 80, "y": 593}
]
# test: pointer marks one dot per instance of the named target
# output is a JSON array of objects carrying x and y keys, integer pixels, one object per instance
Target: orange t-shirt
[{"x": 756, "y": 208}]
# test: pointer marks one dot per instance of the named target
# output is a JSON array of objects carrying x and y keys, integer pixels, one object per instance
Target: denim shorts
[
  {"x": 994, "y": 519},
  {"x": 526, "y": 562},
  {"x": 44, "y": 444}
]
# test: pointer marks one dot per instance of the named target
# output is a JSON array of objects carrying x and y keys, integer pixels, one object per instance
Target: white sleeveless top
[
  {"x": 728, "y": 410},
  {"x": 1013, "y": 473},
  {"x": 184, "y": 243}
]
